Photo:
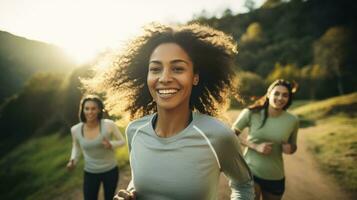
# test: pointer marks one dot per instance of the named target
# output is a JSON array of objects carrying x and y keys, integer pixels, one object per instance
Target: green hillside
[
  {"x": 311, "y": 42},
  {"x": 20, "y": 58},
  {"x": 36, "y": 169}
]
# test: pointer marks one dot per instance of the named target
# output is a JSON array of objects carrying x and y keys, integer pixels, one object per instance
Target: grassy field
[
  {"x": 334, "y": 142},
  {"x": 36, "y": 169}
]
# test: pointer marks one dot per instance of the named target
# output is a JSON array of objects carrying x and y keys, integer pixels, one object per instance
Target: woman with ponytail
[{"x": 272, "y": 131}]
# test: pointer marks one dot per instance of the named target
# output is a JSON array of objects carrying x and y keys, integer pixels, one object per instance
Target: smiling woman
[
  {"x": 272, "y": 131},
  {"x": 173, "y": 80}
]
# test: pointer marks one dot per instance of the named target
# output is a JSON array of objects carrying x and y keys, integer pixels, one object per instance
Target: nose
[{"x": 165, "y": 76}]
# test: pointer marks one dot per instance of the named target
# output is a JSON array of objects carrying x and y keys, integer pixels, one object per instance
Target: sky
[{"x": 85, "y": 27}]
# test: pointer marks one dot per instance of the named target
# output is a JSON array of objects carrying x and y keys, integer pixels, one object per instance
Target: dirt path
[{"x": 304, "y": 181}]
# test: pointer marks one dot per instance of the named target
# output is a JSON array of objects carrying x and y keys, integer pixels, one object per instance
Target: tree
[
  {"x": 312, "y": 77},
  {"x": 250, "y": 86},
  {"x": 254, "y": 33},
  {"x": 271, "y": 3},
  {"x": 249, "y": 4},
  {"x": 330, "y": 52},
  {"x": 289, "y": 72}
]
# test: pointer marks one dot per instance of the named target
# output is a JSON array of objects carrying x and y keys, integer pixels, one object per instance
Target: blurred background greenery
[{"x": 312, "y": 42}]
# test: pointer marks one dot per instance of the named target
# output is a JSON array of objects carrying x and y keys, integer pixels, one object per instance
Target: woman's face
[
  {"x": 91, "y": 111},
  {"x": 171, "y": 77},
  {"x": 278, "y": 97}
]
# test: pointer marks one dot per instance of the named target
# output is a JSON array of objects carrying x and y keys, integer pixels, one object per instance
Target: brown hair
[
  {"x": 263, "y": 102},
  {"x": 95, "y": 99}
]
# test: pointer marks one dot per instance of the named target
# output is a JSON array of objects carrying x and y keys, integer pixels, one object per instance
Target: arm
[
  {"x": 75, "y": 154},
  {"x": 263, "y": 148},
  {"x": 129, "y": 193},
  {"x": 119, "y": 140},
  {"x": 290, "y": 147},
  {"x": 236, "y": 170}
]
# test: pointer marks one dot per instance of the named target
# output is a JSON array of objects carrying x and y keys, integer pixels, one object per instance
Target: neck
[
  {"x": 171, "y": 122},
  {"x": 272, "y": 112},
  {"x": 93, "y": 123}
]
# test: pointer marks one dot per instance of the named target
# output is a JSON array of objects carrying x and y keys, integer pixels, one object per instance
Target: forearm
[
  {"x": 119, "y": 139},
  {"x": 76, "y": 152},
  {"x": 117, "y": 143},
  {"x": 248, "y": 144}
]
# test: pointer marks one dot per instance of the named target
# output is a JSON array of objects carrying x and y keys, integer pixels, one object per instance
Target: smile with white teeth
[{"x": 167, "y": 91}]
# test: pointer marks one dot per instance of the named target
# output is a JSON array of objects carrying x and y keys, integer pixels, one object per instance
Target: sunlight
[{"x": 84, "y": 28}]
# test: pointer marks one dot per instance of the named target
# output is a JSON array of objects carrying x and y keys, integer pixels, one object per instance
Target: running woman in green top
[
  {"x": 172, "y": 80},
  {"x": 272, "y": 131}
]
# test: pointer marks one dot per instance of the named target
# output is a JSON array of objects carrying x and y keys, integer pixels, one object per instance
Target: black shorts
[{"x": 275, "y": 187}]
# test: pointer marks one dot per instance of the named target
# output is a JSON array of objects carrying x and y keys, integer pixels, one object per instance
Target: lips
[
  {"x": 167, "y": 92},
  {"x": 279, "y": 103}
]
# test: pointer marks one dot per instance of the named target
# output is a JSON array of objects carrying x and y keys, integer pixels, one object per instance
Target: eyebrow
[
  {"x": 282, "y": 92},
  {"x": 172, "y": 62}
]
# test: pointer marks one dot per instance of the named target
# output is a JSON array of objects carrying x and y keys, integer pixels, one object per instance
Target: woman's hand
[
  {"x": 288, "y": 148},
  {"x": 125, "y": 195},
  {"x": 264, "y": 148},
  {"x": 70, "y": 165},
  {"x": 106, "y": 143}
]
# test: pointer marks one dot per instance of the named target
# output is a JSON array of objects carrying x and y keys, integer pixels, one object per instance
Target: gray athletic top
[
  {"x": 186, "y": 165},
  {"x": 97, "y": 159}
]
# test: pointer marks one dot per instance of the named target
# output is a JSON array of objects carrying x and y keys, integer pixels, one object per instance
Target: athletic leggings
[{"x": 92, "y": 182}]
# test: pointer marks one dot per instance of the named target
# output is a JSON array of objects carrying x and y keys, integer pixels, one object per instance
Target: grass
[
  {"x": 346, "y": 104},
  {"x": 334, "y": 141},
  {"x": 36, "y": 169}
]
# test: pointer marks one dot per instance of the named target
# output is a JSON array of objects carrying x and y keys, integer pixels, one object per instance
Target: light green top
[
  {"x": 188, "y": 164},
  {"x": 277, "y": 130}
]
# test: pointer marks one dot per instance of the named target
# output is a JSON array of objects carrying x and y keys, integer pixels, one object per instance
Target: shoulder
[
  {"x": 108, "y": 122},
  {"x": 76, "y": 128},
  {"x": 212, "y": 126},
  {"x": 292, "y": 117},
  {"x": 137, "y": 124}
]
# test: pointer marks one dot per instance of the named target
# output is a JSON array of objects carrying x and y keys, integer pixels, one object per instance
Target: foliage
[
  {"x": 251, "y": 86},
  {"x": 346, "y": 104},
  {"x": 330, "y": 52},
  {"x": 297, "y": 33},
  {"x": 36, "y": 169}
]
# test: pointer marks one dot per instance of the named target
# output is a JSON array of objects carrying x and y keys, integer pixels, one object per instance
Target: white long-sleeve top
[{"x": 97, "y": 159}]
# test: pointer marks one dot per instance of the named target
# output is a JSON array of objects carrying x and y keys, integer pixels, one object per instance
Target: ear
[{"x": 196, "y": 79}]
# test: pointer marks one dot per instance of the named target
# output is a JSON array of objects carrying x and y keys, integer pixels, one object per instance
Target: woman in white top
[{"x": 96, "y": 138}]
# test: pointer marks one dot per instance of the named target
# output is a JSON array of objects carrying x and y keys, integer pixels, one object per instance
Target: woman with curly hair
[
  {"x": 272, "y": 131},
  {"x": 172, "y": 81}
]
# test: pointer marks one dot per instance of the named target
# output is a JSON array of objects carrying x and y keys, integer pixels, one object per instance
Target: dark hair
[
  {"x": 95, "y": 99},
  {"x": 211, "y": 51},
  {"x": 263, "y": 102}
]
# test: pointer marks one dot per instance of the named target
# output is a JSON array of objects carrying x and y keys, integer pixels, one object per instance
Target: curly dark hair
[
  {"x": 211, "y": 52},
  {"x": 263, "y": 102}
]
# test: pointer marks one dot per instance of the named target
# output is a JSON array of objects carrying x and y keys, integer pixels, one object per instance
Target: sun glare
[{"x": 84, "y": 28}]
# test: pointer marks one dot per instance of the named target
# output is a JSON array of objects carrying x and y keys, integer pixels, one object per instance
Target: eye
[
  {"x": 178, "y": 69},
  {"x": 154, "y": 69}
]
